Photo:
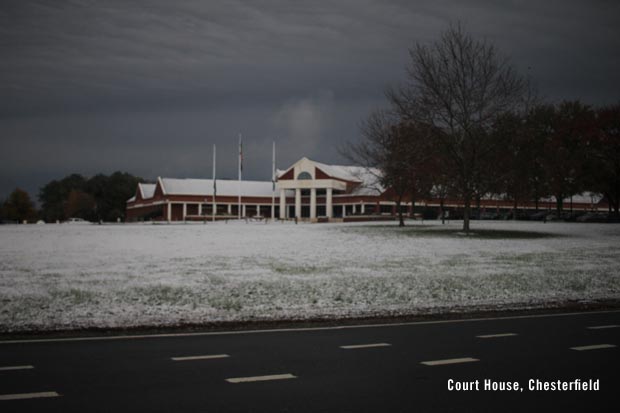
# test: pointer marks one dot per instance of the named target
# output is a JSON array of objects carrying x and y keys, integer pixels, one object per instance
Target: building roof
[
  {"x": 146, "y": 190},
  {"x": 347, "y": 173},
  {"x": 369, "y": 178},
  {"x": 583, "y": 198},
  {"x": 225, "y": 187}
]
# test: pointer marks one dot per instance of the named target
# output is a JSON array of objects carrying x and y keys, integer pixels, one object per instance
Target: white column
[
  {"x": 169, "y": 211},
  {"x": 329, "y": 206},
  {"x": 313, "y": 203},
  {"x": 363, "y": 209},
  {"x": 243, "y": 210},
  {"x": 282, "y": 204},
  {"x": 354, "y": 209},
  {"x": 298, "y": 203},
  {"x": 200, "y": 208},
  {"x": 344, "y": 210},
  {"x": 257, "y": 210},
  {"x": 229, "y": 209},
  {"x": 184, "y": 210}
]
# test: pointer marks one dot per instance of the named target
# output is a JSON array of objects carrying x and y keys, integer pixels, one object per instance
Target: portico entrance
[{"x": 308, "y": 181}]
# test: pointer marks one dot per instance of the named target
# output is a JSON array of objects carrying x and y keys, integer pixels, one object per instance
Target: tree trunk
[
  {"x": 401, "y": 221},
  {"x": 559, "y": 203},
  {"x": 466, "y": 213},
  {"x": 443, "y": 213},
  {"x": 612, "y": 203},
  {"x": 514, "y": 210}
]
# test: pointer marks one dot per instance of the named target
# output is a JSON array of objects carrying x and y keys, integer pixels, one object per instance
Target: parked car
[
  {"x": 553, "y": 217},
  {"x": 572, "y": 216},
  {"x": 510, "y": 215},
  {"x": 538, "y": 216},
  {"x": 489, "y": 215},
  {"x": 593, "y": 217},
  {"x": 76, "y": 221}
]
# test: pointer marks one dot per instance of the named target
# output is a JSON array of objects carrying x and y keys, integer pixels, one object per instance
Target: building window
[{"x": 304, "y": 175}]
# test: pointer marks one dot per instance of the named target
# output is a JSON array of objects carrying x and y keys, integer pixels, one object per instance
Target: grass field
[{"x": 65, "y": 276}]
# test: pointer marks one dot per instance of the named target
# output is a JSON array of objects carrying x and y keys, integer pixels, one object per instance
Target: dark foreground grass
[
  {"x": 481, "y": 233},
  {"x": 435, "y": 231}
]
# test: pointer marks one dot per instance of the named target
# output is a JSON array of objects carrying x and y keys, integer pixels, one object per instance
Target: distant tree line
[
  {"x": 99, "y": 198},
  {"x": 465, "y": 124}
]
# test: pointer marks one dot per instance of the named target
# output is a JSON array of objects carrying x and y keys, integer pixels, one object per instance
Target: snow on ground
[{"x": 75, "y": 276}]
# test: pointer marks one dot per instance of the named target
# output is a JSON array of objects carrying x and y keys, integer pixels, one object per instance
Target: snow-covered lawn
[{"x": 66, "y": 276}]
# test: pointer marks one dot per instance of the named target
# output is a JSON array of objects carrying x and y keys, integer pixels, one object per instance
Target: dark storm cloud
[{"x": 150, "y": 86}]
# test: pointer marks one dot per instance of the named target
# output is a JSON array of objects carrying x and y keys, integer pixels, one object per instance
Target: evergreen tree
[{"x": 19, "y": 207}]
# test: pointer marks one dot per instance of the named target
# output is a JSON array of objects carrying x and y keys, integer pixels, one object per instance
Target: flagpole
[
  {"x": 240, "y": 169},
  {"x": 273, "y": 182},
  {"x": 214, "y": 209}
]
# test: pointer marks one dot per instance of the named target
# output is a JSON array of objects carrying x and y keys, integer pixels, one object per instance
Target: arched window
[{"x": 304, "y": 175}]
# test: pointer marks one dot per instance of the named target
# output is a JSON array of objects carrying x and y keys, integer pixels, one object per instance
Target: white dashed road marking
[
  {"x": 261, "y": 378},
  {"x": 16, "y": 368},
  {"x": 21, "y": 396},
  {"x": 449, "y": 361},
  {"x": 207, "y": 357},
  {"x": 593, "y": 347},
  {"x": 356, "y": 346},
  {"x": 497, "y": 335}
]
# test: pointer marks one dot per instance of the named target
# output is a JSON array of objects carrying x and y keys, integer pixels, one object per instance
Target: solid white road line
[
  {"x": 593, "y": 347},
  {"x": 603, "y": 327},
  {"x": 288, "y": 330},
  {"x": 497, "y": 335},
  {"x": 356, "y": 346},
  {"x": 208, "y": 357},
  {"x": 16, "y": 368},
  {"x": 21, "y": 396},
  {"x": 449, "y": 361},
  {"x": 261, "y": 378}
]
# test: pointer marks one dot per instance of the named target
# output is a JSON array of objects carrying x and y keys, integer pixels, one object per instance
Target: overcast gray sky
[{"x": 148, "y": 87}]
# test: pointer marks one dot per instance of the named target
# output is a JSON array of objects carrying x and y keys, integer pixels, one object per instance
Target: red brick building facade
[{"x": 307, "y": 190}]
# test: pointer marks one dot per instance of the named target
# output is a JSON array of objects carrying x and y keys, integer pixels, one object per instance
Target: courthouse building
[{"x": 307, "y": 190}]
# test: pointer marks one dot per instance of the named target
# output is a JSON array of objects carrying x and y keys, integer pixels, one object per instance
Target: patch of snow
[{"x": 65, "y": 276}]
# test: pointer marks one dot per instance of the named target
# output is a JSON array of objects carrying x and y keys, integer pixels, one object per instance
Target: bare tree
[
  {"x": 566, "y": 147},
  {"x": 381, "y": 152},
  {"x": 459, "y": 86},
  {"x": 396, "y": 153},
  {"x": 515, "y": 161},
  {"x": 606, "y": 154}
]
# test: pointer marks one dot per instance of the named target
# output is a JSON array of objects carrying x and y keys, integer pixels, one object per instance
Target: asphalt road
[{"x": 404, "y": 367}]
